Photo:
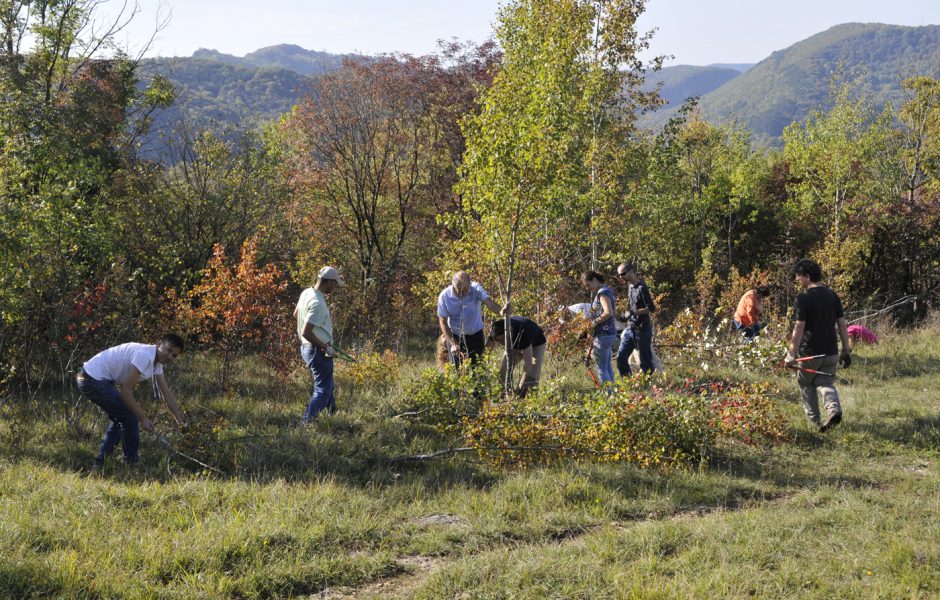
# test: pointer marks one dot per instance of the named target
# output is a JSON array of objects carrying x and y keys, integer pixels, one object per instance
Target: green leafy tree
[
  {"x": 215, "y": 191},
  {"x": 834, "y": 159},
  {"x": 695, "y": 212},
  {"x": 532, "y": 174},
  {"x": 919, "y": 117},
  {"x": 901, "y": 256},
  {"x": 65, "y": 131}
]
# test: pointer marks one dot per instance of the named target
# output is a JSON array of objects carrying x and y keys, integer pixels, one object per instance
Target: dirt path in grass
[{"x": 417, "y": 569}]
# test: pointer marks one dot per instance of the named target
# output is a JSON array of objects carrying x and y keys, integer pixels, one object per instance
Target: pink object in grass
[{"x": 863, "y": 334}]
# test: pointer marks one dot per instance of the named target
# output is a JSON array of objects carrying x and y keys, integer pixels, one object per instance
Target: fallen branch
[
  {"x": 465, "y": 449},
  {"x": 253, "y": 436},
  {"x": 700, "y": 345},
  {"x": 433, "y": 455},
  {"x": 897, "y": 304},
  {"x": 166, "y": 444},
  {"x": 413, "y": 413}
]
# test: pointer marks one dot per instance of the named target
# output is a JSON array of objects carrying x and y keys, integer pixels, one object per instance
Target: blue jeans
[
  {"x": 750, "y": 331},
  {"x": 636, "y": 339},
  {"x": 124, "y": 423},
  {"x": 603, "y": 350},
  {"x": 321, "y": 367}
]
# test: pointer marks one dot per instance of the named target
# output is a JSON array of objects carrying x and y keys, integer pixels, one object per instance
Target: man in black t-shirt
[
  {"x": 818, "y": 311},
  {"x": 528, "y": 345}
]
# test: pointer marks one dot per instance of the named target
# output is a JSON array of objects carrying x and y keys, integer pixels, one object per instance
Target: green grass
[{"x": 331, "y": 508}]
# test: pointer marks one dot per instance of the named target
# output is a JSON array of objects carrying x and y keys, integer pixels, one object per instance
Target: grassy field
[{"x": 332, "y": 511}]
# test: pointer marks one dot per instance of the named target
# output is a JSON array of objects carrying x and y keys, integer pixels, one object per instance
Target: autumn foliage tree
[
  {"x": 374, "y": 151},
  {"x": 237, "y": 308}
]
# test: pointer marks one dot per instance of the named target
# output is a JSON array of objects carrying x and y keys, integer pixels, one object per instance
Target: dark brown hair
[
  {"x": 173, "y": 340},
  {"x": 589, "y": 275}
]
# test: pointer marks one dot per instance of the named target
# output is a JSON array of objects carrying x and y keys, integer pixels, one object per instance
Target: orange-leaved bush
[{"x": 236, "y": 309}]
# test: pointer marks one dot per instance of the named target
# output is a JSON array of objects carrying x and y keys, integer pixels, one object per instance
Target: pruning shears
[
  {"x": 795, "y": 365},
  {"x": 587, "y": 362},
  {"x": 166, "y": 444},
  {"x": 452, "y": 356},
  {"x": 813, "y": 371},
  {"x": 343, "y": 355}
]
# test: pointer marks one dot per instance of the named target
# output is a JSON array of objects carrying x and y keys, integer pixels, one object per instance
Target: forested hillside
[
  {"x": 228, "y": 93},
  {"x": 789, "y": 83}
]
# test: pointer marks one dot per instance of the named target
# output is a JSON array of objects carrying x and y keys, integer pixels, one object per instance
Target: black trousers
[{"x": 471, "y": 345}]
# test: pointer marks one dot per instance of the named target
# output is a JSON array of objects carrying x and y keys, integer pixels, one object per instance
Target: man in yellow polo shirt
[{"x": 315, "y": 330}]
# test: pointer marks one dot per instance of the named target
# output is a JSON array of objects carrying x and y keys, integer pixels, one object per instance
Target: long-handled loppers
[
  {"x": 166, "y": 444},
  {"x": 796, "y": 366},
  {"x": 343, "y": 355},
  {"x": 587, "y": 363}
]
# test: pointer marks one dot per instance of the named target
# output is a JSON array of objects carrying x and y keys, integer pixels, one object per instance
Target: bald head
[{"x": 461, "y": 283}]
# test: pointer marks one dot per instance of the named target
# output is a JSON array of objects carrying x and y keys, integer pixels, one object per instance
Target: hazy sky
[{"x": 694, "y": 31}]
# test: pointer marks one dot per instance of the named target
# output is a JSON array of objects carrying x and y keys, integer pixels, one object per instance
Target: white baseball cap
[{"x": 330, "y": 273}]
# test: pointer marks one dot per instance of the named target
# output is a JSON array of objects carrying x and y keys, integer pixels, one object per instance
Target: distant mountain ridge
[
  {"x": 789, "y": 83},
  {"x": 224, "y": 90},
  {"x": 284, "y": 56},
  {"x": 739, "y": 67},
  {"x": 680, "y": 82}
]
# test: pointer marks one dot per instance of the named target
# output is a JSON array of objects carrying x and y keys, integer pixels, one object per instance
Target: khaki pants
[
  {"x": 813, "y": 386},
  {"x": 531, "y": 371}
]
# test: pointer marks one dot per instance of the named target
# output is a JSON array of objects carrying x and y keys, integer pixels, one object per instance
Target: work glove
[
  {"x": 328, "y": 351},
  {"x": 626, "y": 315},
  {"x": 789, "y": 360},
  {"x": 845, "y": 360}
]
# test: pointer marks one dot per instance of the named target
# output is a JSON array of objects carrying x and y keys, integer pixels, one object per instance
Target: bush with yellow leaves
[
  {"x": 372, "y": 369},
  {"x": 650, "y": 421}
]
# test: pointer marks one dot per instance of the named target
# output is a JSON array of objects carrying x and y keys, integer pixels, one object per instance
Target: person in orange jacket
[{"x": 747, "y": 316}]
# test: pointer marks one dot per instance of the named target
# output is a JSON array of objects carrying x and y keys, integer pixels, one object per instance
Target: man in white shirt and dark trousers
[{"x": 108, "y": 380}]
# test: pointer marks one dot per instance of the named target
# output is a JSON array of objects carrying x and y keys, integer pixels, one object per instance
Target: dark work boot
[{"x": 833, "y": 420}]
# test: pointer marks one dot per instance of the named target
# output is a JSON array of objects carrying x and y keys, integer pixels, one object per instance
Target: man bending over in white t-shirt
[{"x": 108, "y": 380}]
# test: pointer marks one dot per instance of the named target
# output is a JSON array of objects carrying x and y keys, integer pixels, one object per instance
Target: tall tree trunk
[{"x": 507, "y": 318}]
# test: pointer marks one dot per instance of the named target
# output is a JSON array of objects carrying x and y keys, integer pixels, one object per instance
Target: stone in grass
[{"x": 439, "y": 520}]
